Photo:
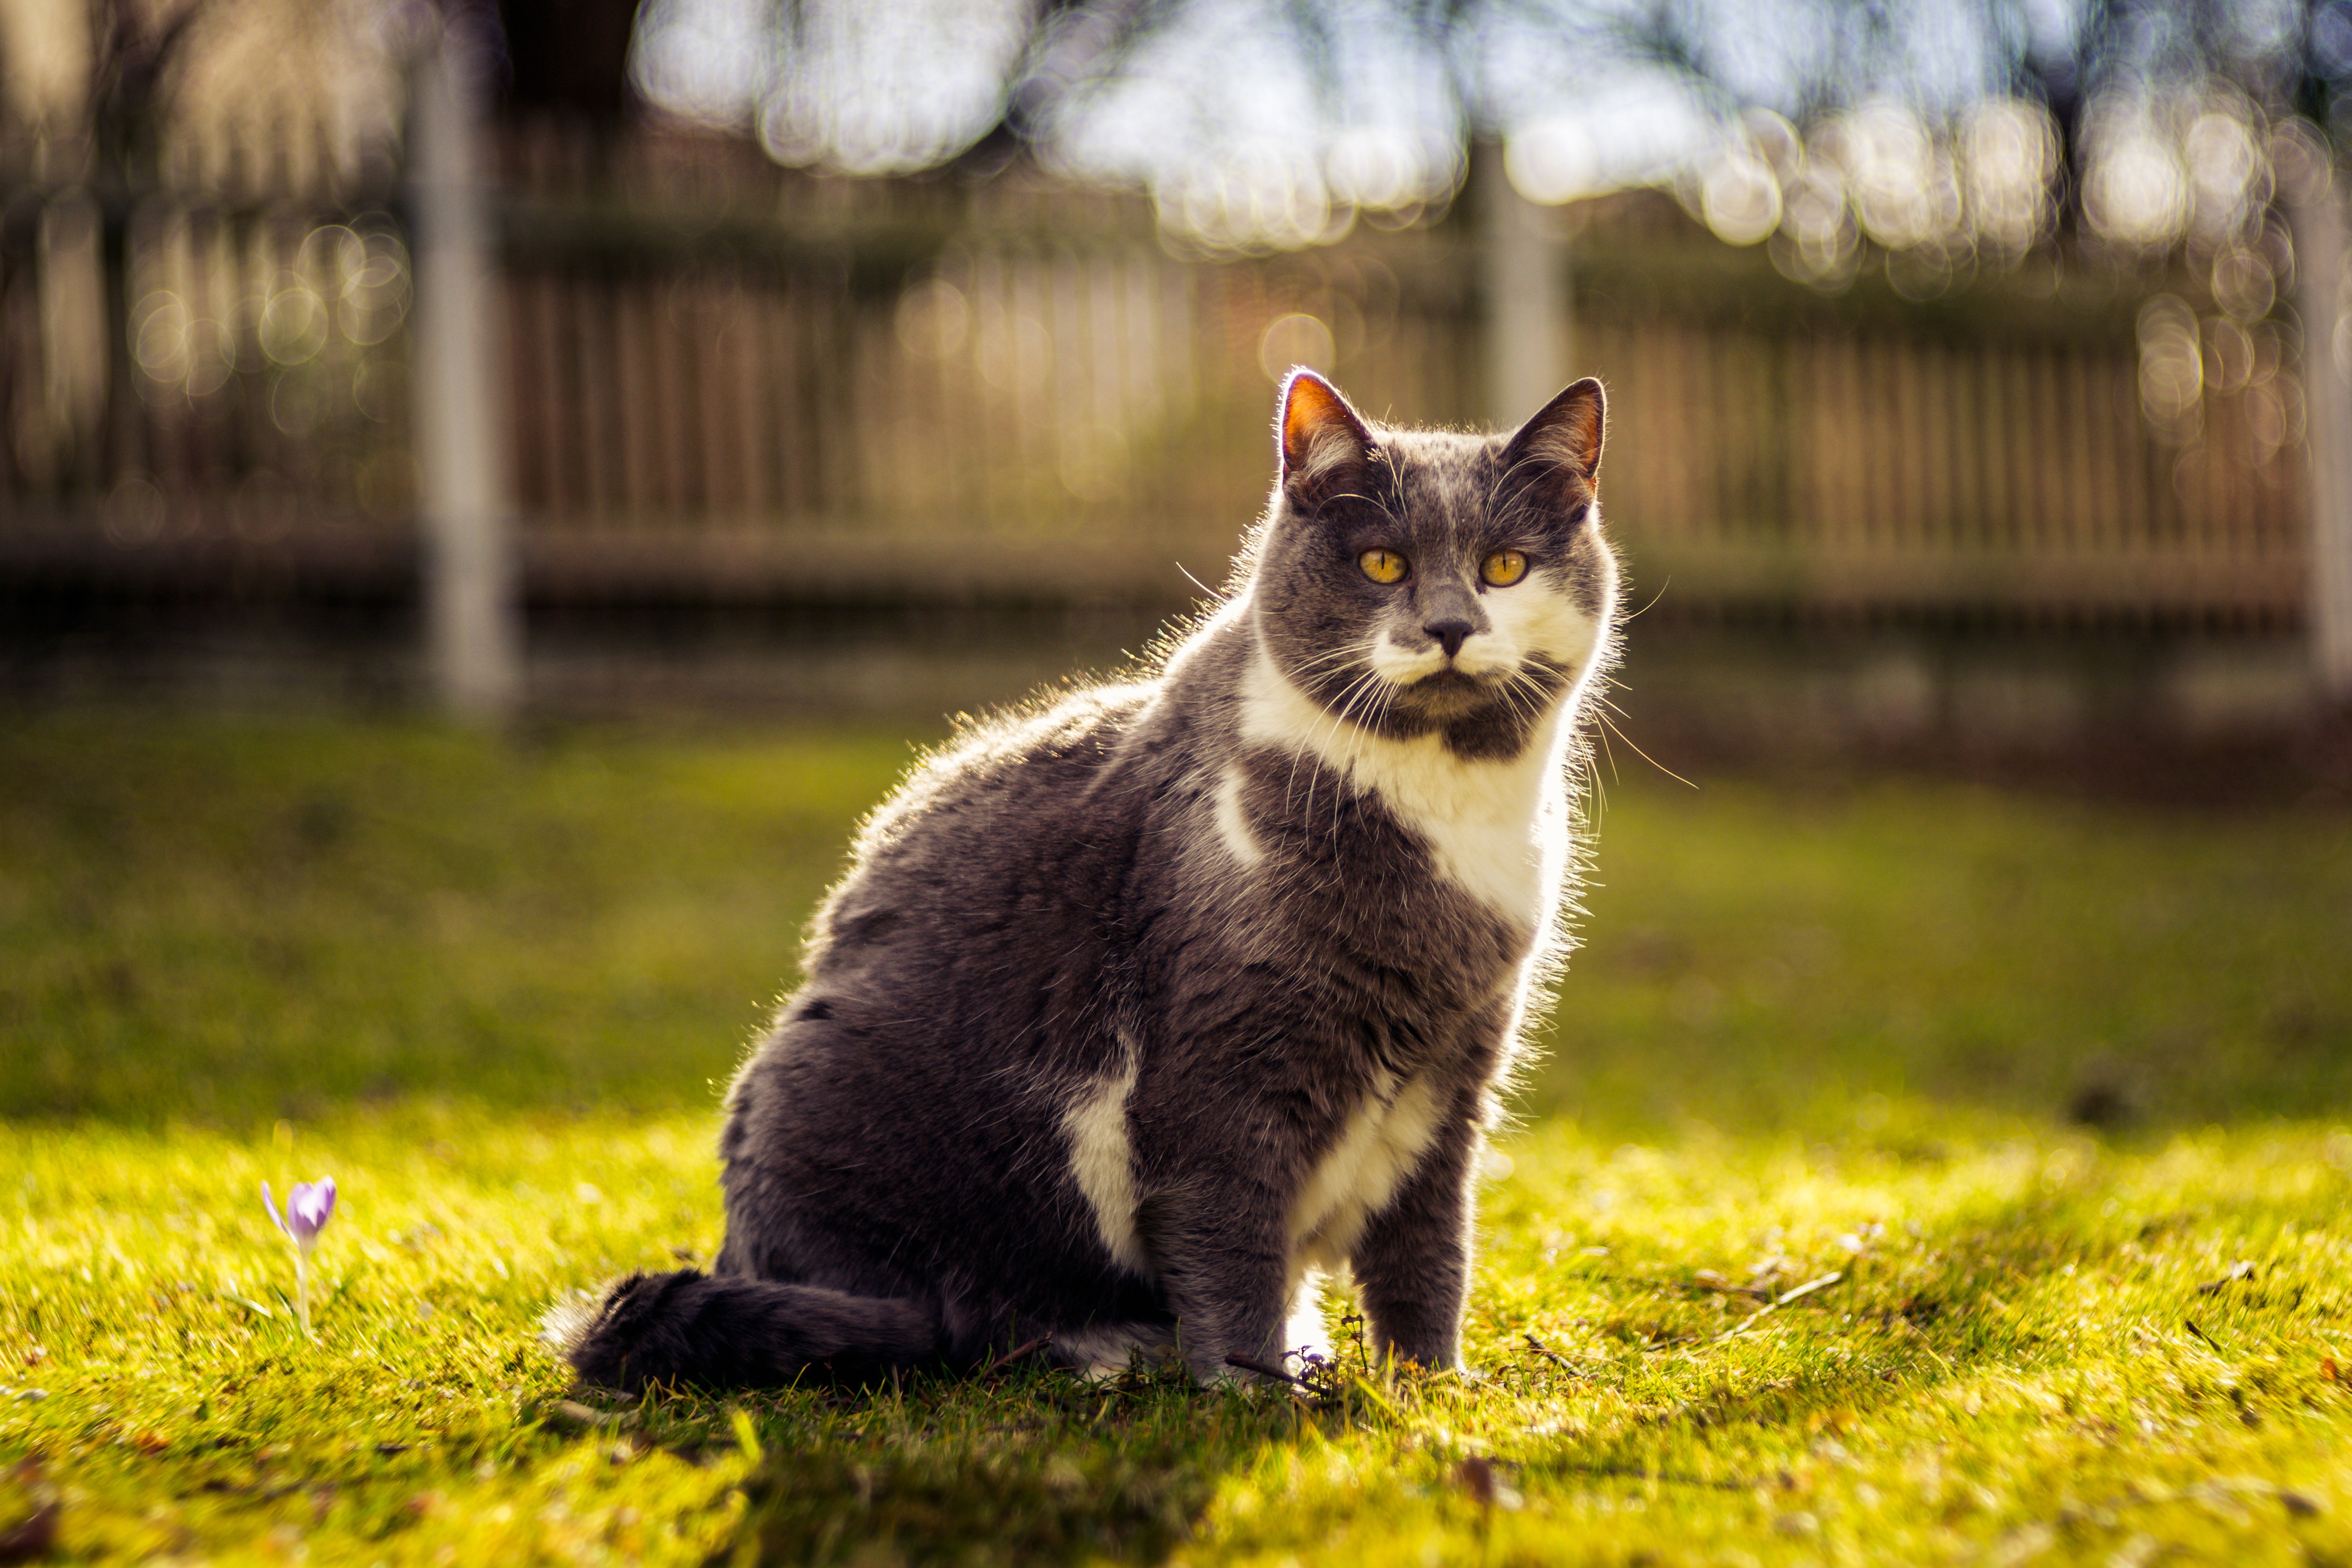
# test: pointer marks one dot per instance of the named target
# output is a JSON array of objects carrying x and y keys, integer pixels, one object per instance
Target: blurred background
[
  {"x": 1978, "y": 377},
  {"x": 1976, "y": 366}
]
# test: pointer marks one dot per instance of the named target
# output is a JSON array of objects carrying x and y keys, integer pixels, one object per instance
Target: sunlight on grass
[
  {"x": 1794, "y": 1255},
  {"x": 2007, "y": 1358}
]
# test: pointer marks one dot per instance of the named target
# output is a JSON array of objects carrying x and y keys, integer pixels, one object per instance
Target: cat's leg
[
  {"x": 762, "y": 1238},
  {"x": 1412, "y": 1262},
  {"x": 1222, "y": 1256}
]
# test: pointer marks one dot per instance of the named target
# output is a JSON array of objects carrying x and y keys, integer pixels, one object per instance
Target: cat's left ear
[
  {"x": 1560, "y": 447},
  {"x": 1323, "y": 444}
]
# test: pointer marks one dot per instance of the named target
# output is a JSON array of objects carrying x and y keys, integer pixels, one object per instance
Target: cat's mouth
[{"x": 1451, "y": 691}]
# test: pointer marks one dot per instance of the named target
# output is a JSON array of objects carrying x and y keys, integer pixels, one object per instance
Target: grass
[
  {"x": 488, "y": 988},
  {"x": 255, "y": 920}
]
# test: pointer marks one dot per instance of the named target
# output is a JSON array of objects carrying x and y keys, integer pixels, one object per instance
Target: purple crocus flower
[{"x": 308, "y": 1206}]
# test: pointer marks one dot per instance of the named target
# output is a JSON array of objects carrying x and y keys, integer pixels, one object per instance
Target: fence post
[
  {"x": 472, "y": 610},
  {"x": 2316, "y": 208},
  {"x": 1523, "y": 263}
]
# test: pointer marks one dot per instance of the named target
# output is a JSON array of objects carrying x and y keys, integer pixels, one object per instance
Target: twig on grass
[
  {"x": 2239, "y": 1270},
  {"x": 1806, "y": 1289},
  {"x": 1248, "y": 1363},
  {"x": 1332, "y": 1381},
  {"x": 1016, "y": 1353},
  {"x": 2203, "y": 1335},
  {"x": 1777, "y": 1303},
  {"x": 1550, "y": 1355}
]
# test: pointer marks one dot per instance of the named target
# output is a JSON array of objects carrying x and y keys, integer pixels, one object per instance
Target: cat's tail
[{"x": 729, "y": 1332}]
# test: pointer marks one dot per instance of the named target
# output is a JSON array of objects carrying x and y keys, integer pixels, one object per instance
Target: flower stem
[{"x": 302, "y": 1290}]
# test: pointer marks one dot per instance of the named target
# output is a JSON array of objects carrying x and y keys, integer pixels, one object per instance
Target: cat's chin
[{"x": 1450, "y": 694}]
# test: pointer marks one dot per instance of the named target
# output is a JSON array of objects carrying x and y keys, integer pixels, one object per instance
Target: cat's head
[{"x": 1413, "y": 581}]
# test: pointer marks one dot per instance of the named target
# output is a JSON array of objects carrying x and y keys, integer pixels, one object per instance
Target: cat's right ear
[
  {"x": 1558, "y": 450},
  {"x": 1324, "y": 444}
]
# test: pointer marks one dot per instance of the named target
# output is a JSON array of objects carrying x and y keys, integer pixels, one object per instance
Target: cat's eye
[
  {"x": 1503, "y": 568},
  {"x": 1383, "y": 565}
]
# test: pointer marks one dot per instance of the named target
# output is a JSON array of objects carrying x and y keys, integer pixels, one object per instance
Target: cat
[{"x": 1140, "y": 1009}]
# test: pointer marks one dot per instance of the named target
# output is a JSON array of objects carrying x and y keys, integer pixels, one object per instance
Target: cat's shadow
[
  {"x": 1038, "y": 1465},
  {"x": 1032, "y": 1465}
]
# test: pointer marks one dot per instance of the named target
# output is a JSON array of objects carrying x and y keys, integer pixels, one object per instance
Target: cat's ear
[
  {"x": 1560, "y": 447},
  {"x": 1324, "y": 444}
]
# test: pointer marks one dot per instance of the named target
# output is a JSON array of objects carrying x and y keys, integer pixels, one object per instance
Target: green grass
[
  {"x": 249, "y": 921},
  {"x": 488, "y": 988}
]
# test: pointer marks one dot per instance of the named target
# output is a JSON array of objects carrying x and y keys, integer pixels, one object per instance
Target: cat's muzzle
[{"x": 1450, "y": 692}]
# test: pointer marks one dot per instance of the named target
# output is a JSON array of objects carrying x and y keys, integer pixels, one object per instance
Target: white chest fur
[
  {"x": 1102, "y": 1162},
  {"x": 1379, "y": 1148},
  {"x": 1498, "y": 829}
]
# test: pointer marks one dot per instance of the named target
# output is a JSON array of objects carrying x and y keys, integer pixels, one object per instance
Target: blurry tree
[
  {"x": 166, "y": 85},
  {"x": 1261, "y": 126},
  {"x": 135, "y": 47},
  {"x": 133, "y": 50}
]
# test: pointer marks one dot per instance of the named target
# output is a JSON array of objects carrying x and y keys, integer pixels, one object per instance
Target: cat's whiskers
[
  {"x": 1342, "y": 769},
  {"x": 1381, "y": 692},
  {"x": 1507, "y": 693},
  {"x": 1301, "y": 753},
  {"x": 1386, "y": 701},
  {"x": 1345, "y": 652},
  {"x": 1312, "y": 747},
  {"x": 1349, "y": 695},
  {"x": 1337, "y": 711},
  {"x": 1640, "y": 753},
  {"x": 1503, "y": 508},
  {"x": 1599, "y": 701},
  {"x": 1367, "y": 692},
  {"x": 1524, "y": 687},
  {"x": 1337, "y": 655}
]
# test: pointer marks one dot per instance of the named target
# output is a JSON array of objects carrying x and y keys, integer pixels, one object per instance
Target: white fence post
[
  {"x": 1523, "y": 262},
  {"x": 2316, "y": 207},
  {"x": 472, "y": 610}
]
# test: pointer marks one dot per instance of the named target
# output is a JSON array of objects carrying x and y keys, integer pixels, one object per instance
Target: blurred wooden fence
[{"x": 733, "y": 382}]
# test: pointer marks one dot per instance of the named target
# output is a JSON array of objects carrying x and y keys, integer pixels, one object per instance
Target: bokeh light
[
  {"x": 2136, "y": 192},
  {"x": 1294, "y": 340},
  {"x": 1616, "y": 136},
  {"x": 870, "y": 89},
  {"x": 2171, "y": 369},
  {"x": 1739, "y": 194},
  {"x": 2009, "y": 157}
]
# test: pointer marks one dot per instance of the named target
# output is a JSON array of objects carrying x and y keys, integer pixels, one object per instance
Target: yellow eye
[
  {"x": 1504, "y": 568},
  {"x": 1382, "y": 565}
]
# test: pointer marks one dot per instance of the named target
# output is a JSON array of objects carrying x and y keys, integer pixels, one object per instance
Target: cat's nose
[{"x": 1450, "y": 634}]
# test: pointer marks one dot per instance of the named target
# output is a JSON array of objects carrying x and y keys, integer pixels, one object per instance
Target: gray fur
[{"x": 1136, "y": 1003}]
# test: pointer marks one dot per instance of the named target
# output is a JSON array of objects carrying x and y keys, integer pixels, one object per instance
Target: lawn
[{"x": 1843, "y": 1040}]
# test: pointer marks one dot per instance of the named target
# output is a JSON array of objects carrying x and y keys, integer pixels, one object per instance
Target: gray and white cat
[{"x": 1139, "y": 1009}]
